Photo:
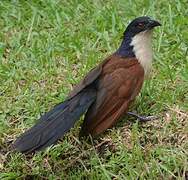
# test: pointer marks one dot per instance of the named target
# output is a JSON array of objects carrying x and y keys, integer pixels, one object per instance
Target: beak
[{"x": 153, "y": 24}]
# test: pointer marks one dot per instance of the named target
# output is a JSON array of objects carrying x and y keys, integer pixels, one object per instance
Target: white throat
[{"x": 142, "y": 48}]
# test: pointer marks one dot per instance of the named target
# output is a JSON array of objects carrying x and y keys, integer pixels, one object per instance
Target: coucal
[{"x": 104, "y": 95}]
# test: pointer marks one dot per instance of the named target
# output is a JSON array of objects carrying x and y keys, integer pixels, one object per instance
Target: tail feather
[{"x": 55, "y": 123}]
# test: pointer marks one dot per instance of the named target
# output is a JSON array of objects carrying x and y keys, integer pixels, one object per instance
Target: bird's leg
[{"x": 142, "y": 118}]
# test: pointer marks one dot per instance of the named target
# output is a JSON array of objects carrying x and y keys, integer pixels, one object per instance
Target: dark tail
[{"x": 55, "y": 123}]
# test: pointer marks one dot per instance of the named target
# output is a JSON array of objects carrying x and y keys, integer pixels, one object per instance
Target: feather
[{"x": 54, "y": 124}]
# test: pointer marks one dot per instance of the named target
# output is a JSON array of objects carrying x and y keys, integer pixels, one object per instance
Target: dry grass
[{"x": 47, "y": 47}]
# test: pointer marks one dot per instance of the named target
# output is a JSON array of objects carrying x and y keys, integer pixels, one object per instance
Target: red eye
[{"x": 140, "y": 25}]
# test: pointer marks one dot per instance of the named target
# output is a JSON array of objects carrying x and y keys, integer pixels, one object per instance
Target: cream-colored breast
[{"x": 142, "y": 48}]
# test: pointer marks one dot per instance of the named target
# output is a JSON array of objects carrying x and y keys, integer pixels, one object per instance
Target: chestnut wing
[{"x": 116, "y": 90}]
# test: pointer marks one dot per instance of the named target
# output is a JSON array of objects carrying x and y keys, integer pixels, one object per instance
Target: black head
[{"x": 140, "y": 24}]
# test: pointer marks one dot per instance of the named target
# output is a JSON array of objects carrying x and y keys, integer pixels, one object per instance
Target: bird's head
[
  {"x": 140, "y": 24},
  {"x": 137, "y": 41}
]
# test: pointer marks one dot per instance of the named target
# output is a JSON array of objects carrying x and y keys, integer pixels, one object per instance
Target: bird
[{"x": 103, "y": 96}]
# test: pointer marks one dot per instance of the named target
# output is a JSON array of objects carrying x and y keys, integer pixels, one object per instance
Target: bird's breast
[{"x": 142, "y": 48}]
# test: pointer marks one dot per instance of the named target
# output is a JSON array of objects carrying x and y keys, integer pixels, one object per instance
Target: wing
[
  {"x": 119, "y": 84},
  {"x": 90, "y": 78}
]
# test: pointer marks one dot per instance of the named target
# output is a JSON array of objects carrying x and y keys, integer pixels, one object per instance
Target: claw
[{"x": 143, "y": 118}]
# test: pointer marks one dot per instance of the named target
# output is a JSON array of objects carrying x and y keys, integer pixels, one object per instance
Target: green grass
[{"x": 48, "y": 46}]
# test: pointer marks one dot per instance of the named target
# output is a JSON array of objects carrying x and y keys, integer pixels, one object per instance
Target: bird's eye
[{"x": 140, "y": 25}]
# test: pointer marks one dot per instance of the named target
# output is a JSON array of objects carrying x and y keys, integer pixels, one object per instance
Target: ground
[{"x": 48, "y": 46}]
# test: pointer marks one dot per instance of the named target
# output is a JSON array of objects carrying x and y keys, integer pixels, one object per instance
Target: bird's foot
[{"x": 143, "y": 118}]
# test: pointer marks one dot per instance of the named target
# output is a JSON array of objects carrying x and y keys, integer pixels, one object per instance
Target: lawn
[{"x": 48, "y": 46}]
